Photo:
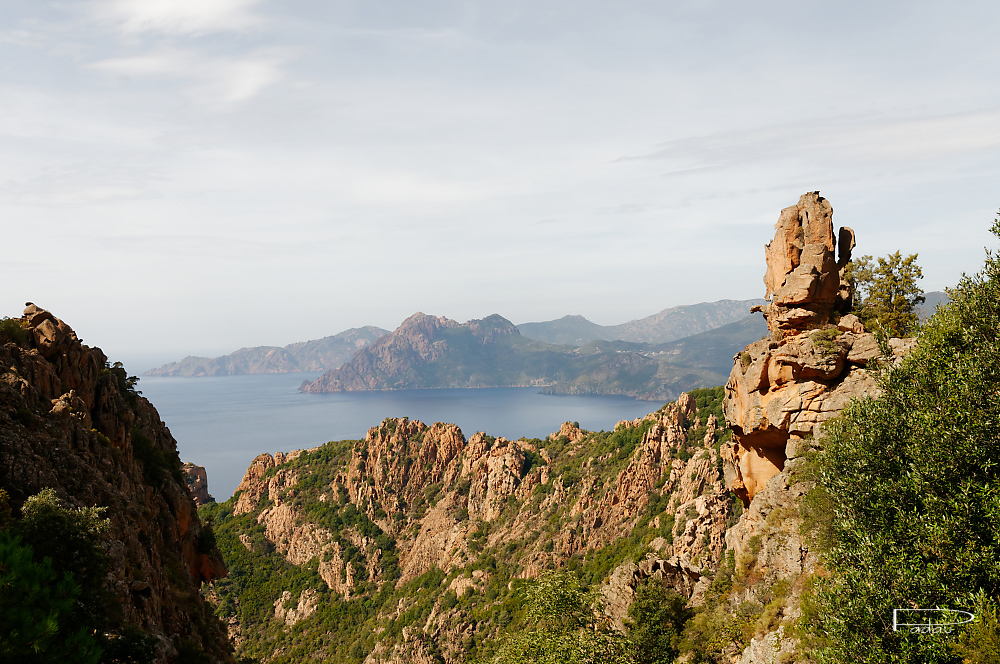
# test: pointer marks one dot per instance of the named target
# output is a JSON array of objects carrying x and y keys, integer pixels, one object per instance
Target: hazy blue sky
[{"x": 192, "y": 176}]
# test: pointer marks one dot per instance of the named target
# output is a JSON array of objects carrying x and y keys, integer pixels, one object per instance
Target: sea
[{"x": 222, "y": 423}]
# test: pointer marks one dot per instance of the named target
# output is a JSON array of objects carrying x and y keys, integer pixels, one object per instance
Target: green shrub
[{"x": 11, "y": 330}]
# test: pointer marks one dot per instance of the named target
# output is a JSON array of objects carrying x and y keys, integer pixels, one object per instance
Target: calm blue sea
[{"x": 223, "y": 423}]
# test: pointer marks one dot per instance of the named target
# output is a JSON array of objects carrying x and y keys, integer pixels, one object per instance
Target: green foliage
[
  {"x": 825, "y": 340},
  {"x": 913, "y": 483},
  {"x": 158, "y": 465},
  {"x": 622, "y": 442},
  {"x": 11, "y": 330},
  {"x": 125, "y": 383},
  {"x": 886, "y": 292},
  {"x": 656, "y": 620},
  {"x": 54, "y": 604},
  {"x": 709, "y": 401},
  {"x": 132, "y": 646},
  {"x": 37, "y": 606},
  {"x": 72, "y": 540},
  {"x": 566, "y": 627},
  {"x": 979, "y": 643}
]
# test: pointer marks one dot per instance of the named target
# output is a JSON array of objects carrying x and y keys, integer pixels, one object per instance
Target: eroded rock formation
[
  {"x": 782, "y": 388},
  {"x": 197, "y": 482}
]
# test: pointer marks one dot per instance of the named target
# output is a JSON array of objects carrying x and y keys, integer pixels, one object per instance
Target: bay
[{"x": 222, "y": 423}]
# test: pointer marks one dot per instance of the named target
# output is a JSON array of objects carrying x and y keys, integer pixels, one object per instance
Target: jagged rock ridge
[
  {"x": 72, "y": 422},
  {"x": 435, "y": 502},
  {"x": 436, "y": 352}
]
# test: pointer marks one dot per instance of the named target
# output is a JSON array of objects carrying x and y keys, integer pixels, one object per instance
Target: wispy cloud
[
  {"x": 179, "y": 17},
  {"x": 899, "y": 139},
  {"x": 228, "y": 79}
]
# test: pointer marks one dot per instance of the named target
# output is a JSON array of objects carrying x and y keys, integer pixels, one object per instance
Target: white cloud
[
  {"x": 179, "y": 17},
  {"x": 227, "y": 79}
]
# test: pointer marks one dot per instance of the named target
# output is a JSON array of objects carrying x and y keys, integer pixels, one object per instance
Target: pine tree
[{"x": 886, "y": 294}]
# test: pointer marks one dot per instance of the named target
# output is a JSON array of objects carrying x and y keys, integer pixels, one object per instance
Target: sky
[{"x": 193, "y": 176}]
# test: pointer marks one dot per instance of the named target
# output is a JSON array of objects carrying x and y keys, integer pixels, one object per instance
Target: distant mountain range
[
  {"x": 436, "y": 352},
  {"x": 333, "y": 352},
  {"x": 316, "y": 355},
  {"x": 667, "y": 325}
]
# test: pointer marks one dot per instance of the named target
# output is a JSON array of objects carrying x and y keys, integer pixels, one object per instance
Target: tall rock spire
[
  {"x": 803, "y": 277},
  {"x": 782, "y": 388}
]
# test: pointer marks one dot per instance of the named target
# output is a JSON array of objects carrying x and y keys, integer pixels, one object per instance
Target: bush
[
  {"x": 37, "y": 606},
  {"x": 656, "y": 621},
  {"x": 565, "y": 627},
  {"x": 11, "y": 330},
  {"x": 911, "y": 480}
]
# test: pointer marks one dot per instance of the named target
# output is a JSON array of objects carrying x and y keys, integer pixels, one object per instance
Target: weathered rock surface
[
  {"x": 72, "y": 422},
  {"x": 783, "y": 388},
  {"x": 197, "y": 482},
  {"x": 442, "y": 499},
  {"x": 803, "y": 273}
]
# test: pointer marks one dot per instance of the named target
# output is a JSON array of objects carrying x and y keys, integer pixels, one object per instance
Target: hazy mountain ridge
[
  {"x": 431, "y": 352},
  {"x": 663, "y": 327},
  {"x": 315, "y": 355}
]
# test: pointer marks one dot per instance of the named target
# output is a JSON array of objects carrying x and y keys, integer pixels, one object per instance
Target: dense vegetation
[
  {"x": 909, "y": 497},
  {"x": 54, "y": 603}
]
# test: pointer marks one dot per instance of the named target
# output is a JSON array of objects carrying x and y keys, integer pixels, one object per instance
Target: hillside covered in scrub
[{"x": 411, "y": 545}]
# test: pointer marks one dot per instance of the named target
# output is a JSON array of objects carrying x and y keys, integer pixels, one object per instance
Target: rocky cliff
[
  {"x": 71, "y": 421},
  {"x": 424, "y": 535},
  {"x": 781, "y": 391}
]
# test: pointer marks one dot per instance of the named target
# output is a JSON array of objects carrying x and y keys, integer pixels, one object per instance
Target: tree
[
  {"x": 72, "y": 540},
  {"x": 886, "y": 293},
  {"x": 37, "y": 607},
  {"x": 567, "y": 627},
  {"x": 656, "y": 621},
  {"x": 913, "y": 480}
]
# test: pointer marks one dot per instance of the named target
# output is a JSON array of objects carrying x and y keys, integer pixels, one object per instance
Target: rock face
[
  {"x": 395, "y": 360},
  {"x": 72, "y": 422},
  {"x": 803, "y": 273},
  {"x": 783, "y": 388},
  {"x": 197, "y": 482}
]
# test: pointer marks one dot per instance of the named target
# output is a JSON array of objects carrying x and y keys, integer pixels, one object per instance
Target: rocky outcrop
[
  {"x": 803, "y": 273},
  {"x": 197, "y": 483},
  {"x": 618, "y": 591},
  {"x": 71, "y": 421},
  {"x": 783, "y": 388},
  {"x": 304, "y": 608},
  {"x": 781, "y": 391}
]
